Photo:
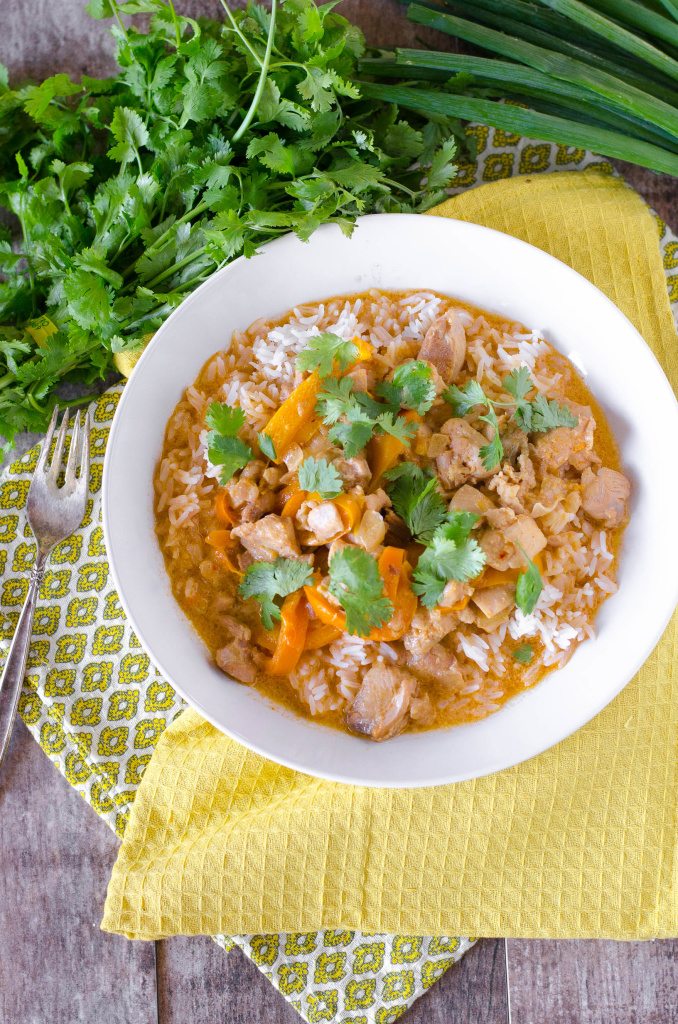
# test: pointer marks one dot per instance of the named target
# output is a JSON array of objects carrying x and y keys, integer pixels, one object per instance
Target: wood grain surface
[{"x": 56, "y": 967}]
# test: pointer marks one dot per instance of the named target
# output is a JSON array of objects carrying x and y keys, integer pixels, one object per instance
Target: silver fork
[{"x": 54, "y": 513}]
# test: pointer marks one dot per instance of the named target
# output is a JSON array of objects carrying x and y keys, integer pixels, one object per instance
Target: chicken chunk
[
  {"x": 470, "y": 499},
  {"x": 503, "y": 547},
  {"x": 269, "y": 538},
  {"x": 525, "y": 534},
  {"x": 353, "y": 471},
  {"x": 605, "y": 496},
  {"x": 381, "y": 706},
  {"x": 428, "y": 627},
  {"x": 493, "y": 601},
  {"x": 324, "y": 523},
  {"x": 444, "y": 345},
  {"x": 254, "y": 510},
  {"x": 236, "y": 660},
  {"x": 438, "y": 665},
  {"x": 568, "y": 446},
  {"x": 462, "y": 463}
]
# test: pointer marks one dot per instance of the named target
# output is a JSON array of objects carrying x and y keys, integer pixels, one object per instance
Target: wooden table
[{"x": 55, "y": 856}]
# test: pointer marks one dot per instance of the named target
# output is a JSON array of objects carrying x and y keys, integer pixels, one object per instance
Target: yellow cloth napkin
[{"x": 578, "y": 842}]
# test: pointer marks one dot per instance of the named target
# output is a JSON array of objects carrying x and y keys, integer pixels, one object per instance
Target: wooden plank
[
  {"x": 471, "y": 992},
  {"x": 198, "y": 982},
  {"x": 594, "y": 982},
  {"x": 56, "y": 857}
]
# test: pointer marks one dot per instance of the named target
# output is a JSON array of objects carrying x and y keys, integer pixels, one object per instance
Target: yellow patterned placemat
[{"x": 97, "y": 707}]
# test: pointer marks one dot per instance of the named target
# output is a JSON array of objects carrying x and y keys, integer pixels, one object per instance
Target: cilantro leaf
[
  {"x": 224, "y": 419},
  {"x": 528, "y": 588},
  {"x": 412, "y": 385},
  {"x": 320, "y": 476},
  {"x": 323, "y": 351},
  {"x": 334, "y": 399},
  {"x": 396, "y": 426},
  {"x": 266, "y": 445},
  {"x": 547, "y": 415},
  {"x": 230, "y": 453},
  {"x": 523, "y": 654},
  {"x": 518, "y": 383},
  {"x": 492, "y": 453},
  {"x": 466, "y": 398},
  {"x": 224, "y": 448},
  {"x": 416, "y": 499},
  {"x": 130, "y": 134},
  {"x": 356, "y": 584},
  {"x": 265, "y": 581},
  {"x": 451, "y": 555},
  {"x": 353, "y": 434}
]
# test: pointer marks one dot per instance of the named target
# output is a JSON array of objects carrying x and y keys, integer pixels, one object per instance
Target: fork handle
[{"x": 15, "y": 666}]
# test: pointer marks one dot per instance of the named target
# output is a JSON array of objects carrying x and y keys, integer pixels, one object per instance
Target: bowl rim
[{"x": 556, "y": 735}]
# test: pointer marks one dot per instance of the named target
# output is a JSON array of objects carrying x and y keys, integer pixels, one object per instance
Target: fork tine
[
  {"x": 44, "y": 452},
  {"x": 55, "y": 467},
  {"x": 84, "y": 462},
  {"x": 75, "y": 453}
]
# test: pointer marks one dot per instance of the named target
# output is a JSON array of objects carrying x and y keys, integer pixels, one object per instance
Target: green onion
[
  {"x": 671, "y": 6},
  {"x": 515, "y": 80},
  {"x": 522, "y": 19},
  {"x": 656, "y": 25},
  {"x": 615, "y": 34},
  {"x": 618, "y": 92},
  {"x": 530, "y": 123}
]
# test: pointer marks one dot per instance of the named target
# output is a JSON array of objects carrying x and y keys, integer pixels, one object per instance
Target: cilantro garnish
[
  {"x": 416, "y": 499},
  {"x": 528, "y": 587},
  {"x": 464, "y": 399},
  {"x": 266, "y": 445},
  {"x": 356, "y": 584},
  {"x": 354, "y": 416},
  {"x": 411, "y": 387},
  {"x": 320, "y": 476},
  {"x": 539, "y": 415},
  {"x": 224, "y": 448},
  {"x": 468, "y": 397},
  {"x": 535, "y": 417},
  {"x": 265, "y": 581},
  {"x": 451, "y": 555},
  {"x": 492, "y": 453},
  {"x": 335, "y": 398},
  {"x": 325, "y": 353},
  {"x": 523, "y": 654}
]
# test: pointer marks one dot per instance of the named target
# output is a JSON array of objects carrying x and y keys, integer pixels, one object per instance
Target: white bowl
[{"x": 491, "y": 270}]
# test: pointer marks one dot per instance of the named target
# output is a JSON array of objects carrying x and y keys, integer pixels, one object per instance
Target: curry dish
[{"x": 390, "y": 511}]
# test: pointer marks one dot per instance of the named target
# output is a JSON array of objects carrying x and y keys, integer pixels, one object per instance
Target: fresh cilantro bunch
[
  {"x": 214, "y": 136},
  {"x": 534, "y": 417},
  {"x": 452, "y": 554},
  {"x": 266, "y": 581},
  {"x": 356, "y": 584},
  {"x": 416, "y": 499},
  {"x": 224, "y": 447}
]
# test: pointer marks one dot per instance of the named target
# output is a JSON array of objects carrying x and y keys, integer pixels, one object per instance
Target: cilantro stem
[
  {"x": 241, "y": 35},
  {"x": 262, "y": 77},
  {"x": 175, "y": 20}
]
